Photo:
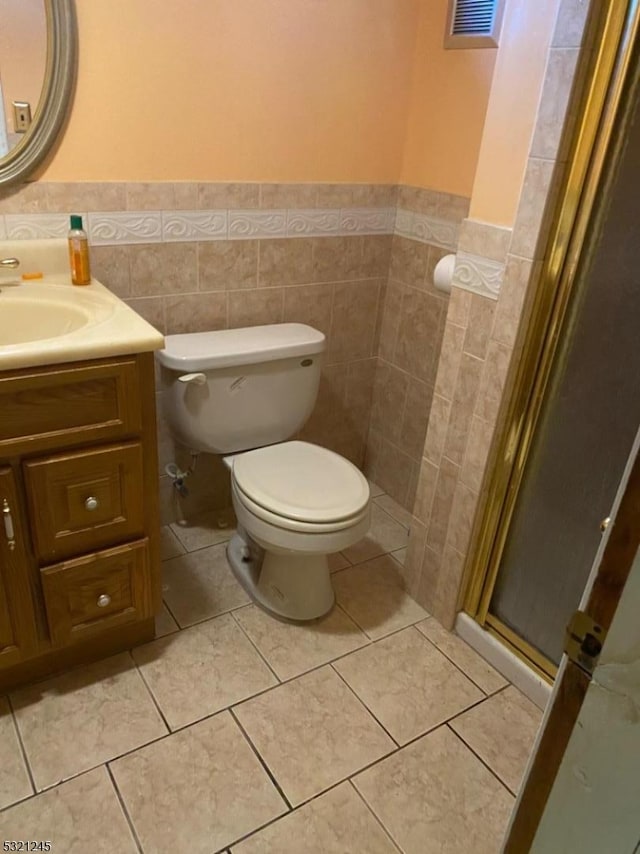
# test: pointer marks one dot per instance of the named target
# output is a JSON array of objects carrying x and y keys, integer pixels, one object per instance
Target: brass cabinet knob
[
  {"x": 103, "y": 600},
  {"x": 91, "y": 503},
  {"x": 605, "y": 524}
]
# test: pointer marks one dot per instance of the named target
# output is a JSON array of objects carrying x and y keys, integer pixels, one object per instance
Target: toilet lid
[{"x": 298, "y": 480}]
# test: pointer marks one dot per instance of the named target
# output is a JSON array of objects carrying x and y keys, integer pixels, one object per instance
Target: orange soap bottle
[{"x": 79, "y": 253}]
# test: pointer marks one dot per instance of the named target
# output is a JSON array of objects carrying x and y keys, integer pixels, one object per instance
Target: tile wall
[
  {"x": 191, "y": 257},
  {"x": 495, "y": 272},
  {"x": 412, "y": 319}
]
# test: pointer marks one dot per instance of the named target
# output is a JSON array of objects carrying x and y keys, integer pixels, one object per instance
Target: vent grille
[{"x": 473, "y": 18}]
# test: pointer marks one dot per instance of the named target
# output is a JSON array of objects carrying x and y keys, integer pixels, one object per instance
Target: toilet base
[{"x": 290, "y": 585}]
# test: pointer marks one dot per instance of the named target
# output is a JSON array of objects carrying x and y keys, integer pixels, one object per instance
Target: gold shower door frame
[{"x": 607, "y": 66}]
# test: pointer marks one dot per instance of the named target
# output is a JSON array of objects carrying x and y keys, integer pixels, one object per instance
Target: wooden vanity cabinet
[{"x": 79, "y": 538}]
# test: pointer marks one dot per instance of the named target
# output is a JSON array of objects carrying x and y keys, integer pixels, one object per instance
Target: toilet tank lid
[{"x": 225, "y": 348}]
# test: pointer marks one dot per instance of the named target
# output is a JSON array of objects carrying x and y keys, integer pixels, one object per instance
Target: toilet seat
[
  {"x": 287, "y": 524},
  {"x": 300, "y": 486}
]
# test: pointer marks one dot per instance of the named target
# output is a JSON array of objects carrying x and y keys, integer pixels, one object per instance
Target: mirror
[{"x": 37, "y": 76}]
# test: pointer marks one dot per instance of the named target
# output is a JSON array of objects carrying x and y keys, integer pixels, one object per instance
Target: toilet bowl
[
  {"x": 242, "y": 393},
  {"x": 298, "y": 503}
]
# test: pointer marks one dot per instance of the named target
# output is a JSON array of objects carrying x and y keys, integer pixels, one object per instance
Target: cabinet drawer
[
  {"x": 84, "y": 500},
  {"x": 58, "y": 407},
  {"x": 99, "y": 591}
]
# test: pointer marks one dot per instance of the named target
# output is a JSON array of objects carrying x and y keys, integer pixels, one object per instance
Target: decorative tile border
[
  {"x": 34, "y": 226},
  {"x": 313, "y": 223},
  {"x": 427, "y": 229},
  {"x": 367, "y": 221},
  {"x": 182, "y": 226},
  {"x": 107, "y": 229},
  {"x": 253, "y": 225},
  {"x": 478, "y": 275}
]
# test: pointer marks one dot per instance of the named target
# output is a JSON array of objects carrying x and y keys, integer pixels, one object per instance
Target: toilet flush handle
[{"x": 196, "y": 379}]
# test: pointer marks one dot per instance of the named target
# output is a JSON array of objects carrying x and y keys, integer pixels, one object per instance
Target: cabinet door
[
  {"x": 85, "y": 500},
  {"x": 17, "y": 620}
]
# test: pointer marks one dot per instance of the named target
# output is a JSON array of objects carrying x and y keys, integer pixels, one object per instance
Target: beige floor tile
[
  {"x": 292, "y": 649},
  {"x": 337, "y": 562},
  {"x": 408, "y": 685},
  {"x": 397, "y": 511},
  {"x": 200, "y": 585},
  {"x": 312, "y": 733},
  {"x": 436, "y": 797},
  {"x": 502, "y": 731},
  {"x": 198, "y": 790},
  {"x": 337, "y": 822},
  {"x": 14, "y": 779},
  {"x": 165, "y": 624},
  {"x": 385, "y": 535},
  {"x": 205, "y": 529},
  {"x": 374, "y": 489},
  {"x": 202, "y": 670},
  {"x": 170, "y": 545},
  {"x": 466, "y": 658},
  {"x": 400, "y": 555},
  {"x": 79, "y": 816},
  {"x": 372, "y": 594},
  {"x": 72, "y": 722}
]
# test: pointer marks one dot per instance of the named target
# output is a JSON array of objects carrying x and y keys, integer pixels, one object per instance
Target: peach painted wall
[
  {"x": 253, "y": 90},
  {"x": 448, "y": 102},
  {"x": 511, "y": 113},
  {"x": 23, "y": 53}
]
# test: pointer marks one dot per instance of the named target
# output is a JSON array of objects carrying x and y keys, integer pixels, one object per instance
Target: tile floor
[{"x": 371, "y": 731}]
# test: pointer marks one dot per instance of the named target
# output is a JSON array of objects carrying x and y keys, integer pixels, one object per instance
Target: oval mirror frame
[{"x": 57, "y": 93}]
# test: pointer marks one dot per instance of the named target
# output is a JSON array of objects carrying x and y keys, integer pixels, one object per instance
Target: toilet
[{"x": 242, "y": 393}]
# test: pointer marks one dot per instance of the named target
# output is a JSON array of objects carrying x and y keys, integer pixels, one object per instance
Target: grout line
[
  {"x": 480, "y": 759},
  {"x": 364, "y": 705},
  {"x": 377, "y": 819},
  {"x": 173, "y": 631},
  {"x": 459, "y": 667},
  {"x": 442, "y": 723},
  {"x": 479, "y": 703},
  {"x": 84, "y": 771},
  {"x": 384, "y": 510},
  {"x": 209, "y": 618},
  {"x": 23, "y": 749},
  {"x": 262, "y": 761},
  {"x": 149, "y": 691},
  {"x": 124, "y": 809},
  {"x": 293, "y": 811},
  {"x": 254, "y": 645},
  {"x": 173, "y": 617},
  {"x": 199, "y": 549}
]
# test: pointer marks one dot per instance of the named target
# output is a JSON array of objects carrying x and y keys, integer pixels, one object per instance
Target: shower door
[{"x": 585, "y": 430}]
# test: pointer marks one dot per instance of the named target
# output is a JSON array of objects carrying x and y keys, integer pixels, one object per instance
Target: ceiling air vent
[{"x": 473, "y": 23}]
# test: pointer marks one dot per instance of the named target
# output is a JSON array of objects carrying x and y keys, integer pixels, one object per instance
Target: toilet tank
[{"x": 235, "y": 389}]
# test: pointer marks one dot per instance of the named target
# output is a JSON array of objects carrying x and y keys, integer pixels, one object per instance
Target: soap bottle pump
[{"x": 79, "y": 253}]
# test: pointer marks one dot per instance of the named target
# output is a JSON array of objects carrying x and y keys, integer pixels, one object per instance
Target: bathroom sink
[
  {"x": 39, "y": 312},
  {"x": 45, "y": 320},
  {"x": 21, "y": 321}
]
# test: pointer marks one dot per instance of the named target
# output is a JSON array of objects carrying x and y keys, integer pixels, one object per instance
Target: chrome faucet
[{"x": 9, "y": 262}]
